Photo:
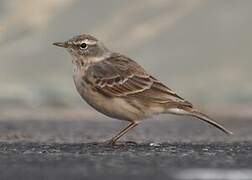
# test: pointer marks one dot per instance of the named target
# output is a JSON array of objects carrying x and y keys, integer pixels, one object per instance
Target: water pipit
[{"x": 118, "y": 87}]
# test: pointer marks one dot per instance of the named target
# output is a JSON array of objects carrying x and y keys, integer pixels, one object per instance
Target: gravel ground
[
  {"x": 128, "y": 160},
  {"x": 175, "y": 149}
]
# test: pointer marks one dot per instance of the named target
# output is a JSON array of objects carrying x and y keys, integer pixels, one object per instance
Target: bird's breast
[{"x": 112, "y": 107}]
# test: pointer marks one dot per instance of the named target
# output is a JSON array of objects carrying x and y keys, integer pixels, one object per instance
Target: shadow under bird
[{"x": 118, "y": 87}]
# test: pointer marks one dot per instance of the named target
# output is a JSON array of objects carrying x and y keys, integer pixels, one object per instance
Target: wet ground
[{"x": 164, "y": 149}]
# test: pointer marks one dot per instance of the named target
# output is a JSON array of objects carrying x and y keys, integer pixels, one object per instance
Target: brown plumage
[{"x": 118, "y": 87}]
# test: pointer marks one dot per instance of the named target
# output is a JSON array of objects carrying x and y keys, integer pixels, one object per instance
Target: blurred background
[
  {"x": 202, "y": 49},
  {"x": 199, "y": 48}
]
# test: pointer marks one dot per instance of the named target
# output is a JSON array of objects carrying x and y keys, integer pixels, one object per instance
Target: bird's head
[{"x": 85, "y": 47}]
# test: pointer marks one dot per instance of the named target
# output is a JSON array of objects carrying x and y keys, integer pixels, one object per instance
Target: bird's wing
[{"x": 119, "y": 76}]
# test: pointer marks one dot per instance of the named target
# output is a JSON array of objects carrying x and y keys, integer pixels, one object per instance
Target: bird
[{"x": 120, "y": 88}]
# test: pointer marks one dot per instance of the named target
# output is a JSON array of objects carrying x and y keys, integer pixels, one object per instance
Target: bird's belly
[{"x": 113, "y": 107}]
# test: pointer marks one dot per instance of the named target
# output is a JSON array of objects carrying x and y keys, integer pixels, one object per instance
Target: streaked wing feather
[{"x": 119, "y": 76}]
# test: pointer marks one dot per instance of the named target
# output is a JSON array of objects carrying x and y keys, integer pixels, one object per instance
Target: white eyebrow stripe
[{"x": 89, "y": 42}]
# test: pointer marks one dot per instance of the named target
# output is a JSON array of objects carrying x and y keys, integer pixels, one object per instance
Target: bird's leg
[{"x": 122, "y": 132}]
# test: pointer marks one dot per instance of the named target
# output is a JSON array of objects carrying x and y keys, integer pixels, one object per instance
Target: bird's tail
[
  {"x": 186, "y": 110},
  {"x": 201, "y": 116}
]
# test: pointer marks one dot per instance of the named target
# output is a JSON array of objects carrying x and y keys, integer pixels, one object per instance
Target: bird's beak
[{"x": 60, "y": 44}]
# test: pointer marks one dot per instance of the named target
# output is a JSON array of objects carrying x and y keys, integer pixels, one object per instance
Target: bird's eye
[{"x": 83, "y": 45}]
